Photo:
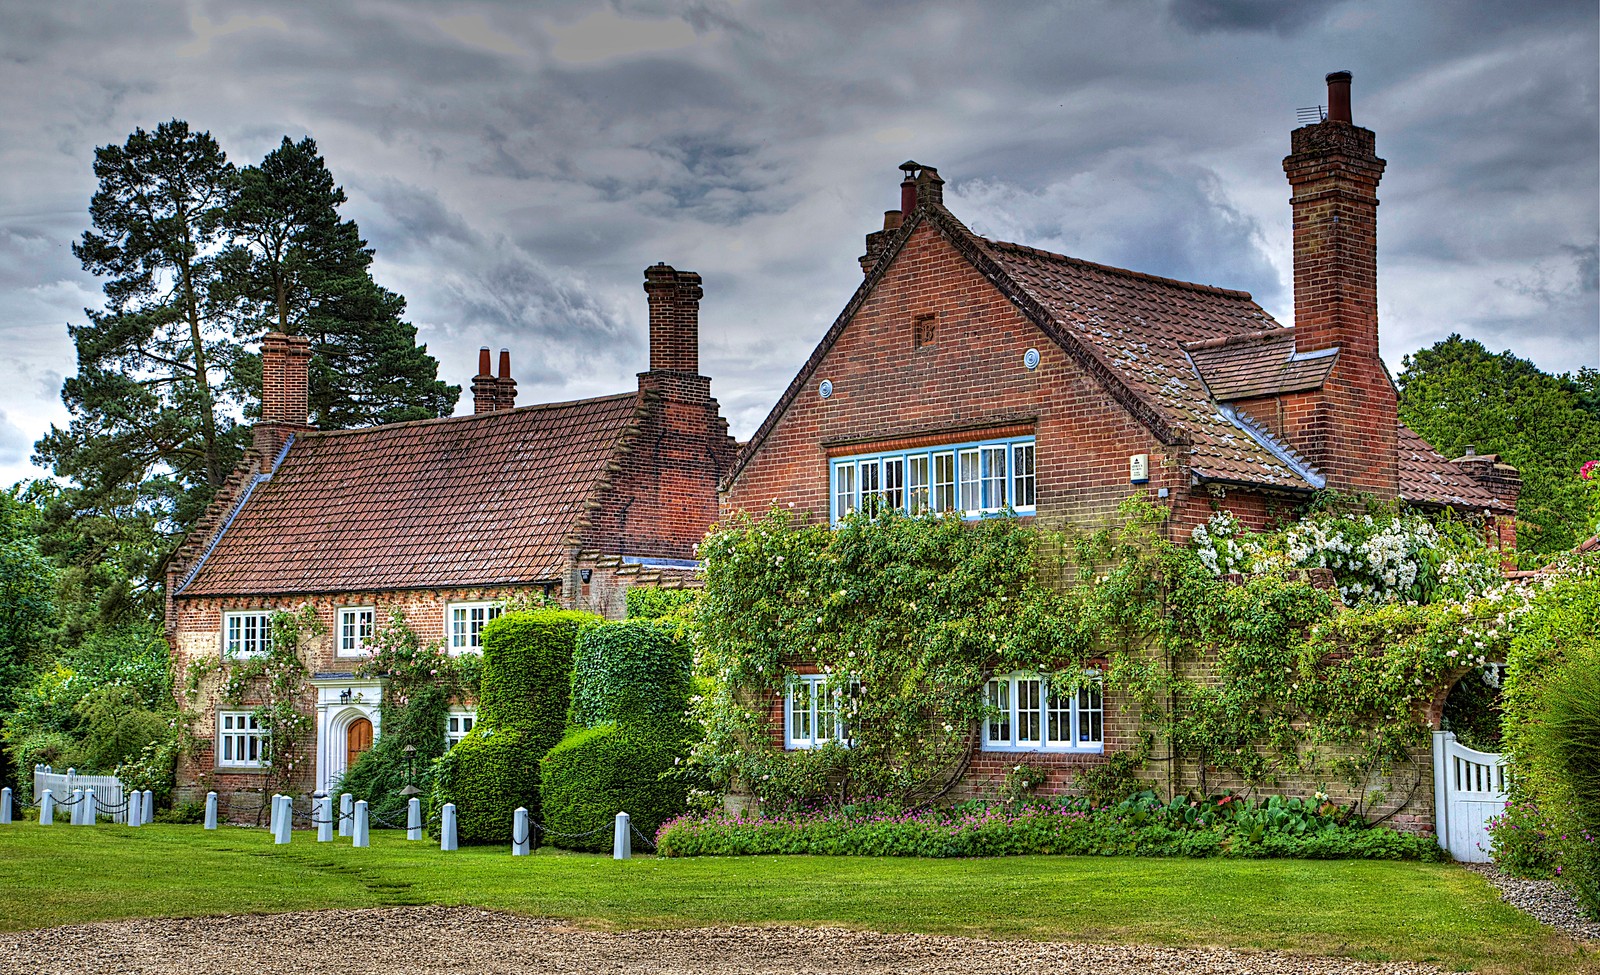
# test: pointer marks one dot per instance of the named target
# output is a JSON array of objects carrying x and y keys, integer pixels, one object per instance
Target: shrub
[
  {"x": 598, "y": 772},
  {"x": 183, "y": 814},
  {"x": 527, "y": 671},
  {"x": 522, "y": 713},
  {"x": 385, "y": 768},
  {"x": 487, "y": 775},
  {"x": 653, "y": 602},
  {"x": 630, "y": 671},
  {"x": 1521, "y": 841},
  {"x": 1143, "y": 826}
]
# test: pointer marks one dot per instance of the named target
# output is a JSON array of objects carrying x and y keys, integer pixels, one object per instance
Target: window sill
[
  {"x": 1090, "y": 749},
  {"x": 240, "y": 769}
]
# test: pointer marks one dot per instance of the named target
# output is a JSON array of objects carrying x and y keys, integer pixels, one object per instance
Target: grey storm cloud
[{"x": 516, "y": 166}]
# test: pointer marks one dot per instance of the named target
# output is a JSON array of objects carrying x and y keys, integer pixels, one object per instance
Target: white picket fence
[{"x": 109, "y": 794}]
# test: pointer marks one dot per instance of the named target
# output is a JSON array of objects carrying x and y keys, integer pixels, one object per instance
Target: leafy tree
[
  {"x": 26, "y": 606},
  {"x": 1458, "y": 393},
  {"x": 297, "y": 267}
]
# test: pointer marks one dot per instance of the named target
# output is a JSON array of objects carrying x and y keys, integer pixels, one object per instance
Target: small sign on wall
[{"x": 1139, "y": 468}]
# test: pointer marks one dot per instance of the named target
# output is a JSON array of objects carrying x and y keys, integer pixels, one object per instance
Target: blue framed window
[
  {"x": 1026, "y": 714},
  {"x": 975, "y": 480}
]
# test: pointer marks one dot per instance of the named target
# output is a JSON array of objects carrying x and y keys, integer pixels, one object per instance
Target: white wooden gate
[{"x": 1468, "y": 787}]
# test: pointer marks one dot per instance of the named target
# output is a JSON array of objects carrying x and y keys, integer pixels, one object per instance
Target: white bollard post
[
  {"x": 447, "y": 827},
  {"x": 519, "y": 833},
  {"x": 147, "y": 813},
  {"x": 211, "y": 810},
  {"x": 284, "y": 822},
  {"x": 414, "y": 819},
  {"x": 346, "y": 811},
  {"x": 324, "y": 808},
  {"x": 5, "y": 806},
  {"x": 622, "y": 839},
  {"x": 89, "y": 815},
  {"x": 272, "y": 813},
  {"x": 132, "y": 813},
  {"x": 47, "y": 809},
  {"x": 76, "y": 816},
  {"x": 359, "y": 833}
]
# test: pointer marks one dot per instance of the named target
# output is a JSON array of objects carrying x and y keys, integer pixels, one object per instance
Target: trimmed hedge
[
  {"x": 527, "y": 670},
  {"x": 653, "y": 602},
  {"x": 977, "y": 830},
  {"x": 635, "y": 671},
  {"x": 597, "y": 772},
  {"x": 487, "y": 775},
  {"x": 522, "y": 713}
]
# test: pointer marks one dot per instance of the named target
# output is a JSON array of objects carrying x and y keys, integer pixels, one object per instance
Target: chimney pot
[
  {"x": 892, "y": 219},
  {"x": 1339, "y": 96},
  {"x": 485, "y": 391}
]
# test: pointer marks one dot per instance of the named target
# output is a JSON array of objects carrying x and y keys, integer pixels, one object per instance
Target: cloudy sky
[{"x": 516, "y": 166}]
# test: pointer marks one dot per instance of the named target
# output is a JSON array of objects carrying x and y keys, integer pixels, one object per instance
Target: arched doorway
[{"x": 357, "y": 739}]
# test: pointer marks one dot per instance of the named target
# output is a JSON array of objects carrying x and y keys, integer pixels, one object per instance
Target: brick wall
[
  {"x": 968, "y": 379},
  {"x": 196, "y": 633}
]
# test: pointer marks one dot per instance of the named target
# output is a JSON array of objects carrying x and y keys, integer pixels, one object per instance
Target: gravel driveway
[{"x": 452, "y": 941}]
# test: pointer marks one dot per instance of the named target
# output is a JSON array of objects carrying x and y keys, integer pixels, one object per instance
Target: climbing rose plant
[{"x": 906, "y": 618}]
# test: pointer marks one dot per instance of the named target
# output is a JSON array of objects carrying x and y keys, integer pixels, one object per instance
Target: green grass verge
[{"x": 1377, "y": 911}]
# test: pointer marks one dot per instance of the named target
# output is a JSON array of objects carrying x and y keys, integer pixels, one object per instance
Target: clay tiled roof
[
  {"x": 466, "y": 501},
  {"x": 1136, "y": 328},
  {"x": 1426, "y": 477},
  {"x": 1258, "y": 364}
]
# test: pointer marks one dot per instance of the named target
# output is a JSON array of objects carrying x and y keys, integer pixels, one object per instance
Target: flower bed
[{"x": 1140, "y": 826}]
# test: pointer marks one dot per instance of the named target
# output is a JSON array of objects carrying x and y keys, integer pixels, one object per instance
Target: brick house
[
  {"x": 972, "y": 375},
  {"x": 442, "y": 519}
]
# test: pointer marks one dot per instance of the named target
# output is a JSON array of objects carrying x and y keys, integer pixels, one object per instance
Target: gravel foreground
[
  {"x": 453, "y": 940},
  {"x": 1546, "y": 900}
]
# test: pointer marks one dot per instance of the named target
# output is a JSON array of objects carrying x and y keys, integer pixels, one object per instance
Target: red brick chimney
[
  {"x": 285, "y": 394},
  {"x": 506, "y": 396},
  {"x": 674, "y": 319},
  {"x": 1348, "y": 428},
  {"x": 485, "y": 391}
]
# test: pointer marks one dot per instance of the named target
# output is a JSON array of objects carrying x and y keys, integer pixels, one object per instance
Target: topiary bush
[
  {"x": 634, "y": 671},
  {"x": 527, "y": 670},
  {"x": 522, "y": 712},
  {"x": 597, "y": 772},
  {"x": 487, "y": 775}
]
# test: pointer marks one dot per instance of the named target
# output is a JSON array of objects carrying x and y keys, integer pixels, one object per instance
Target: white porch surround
[{"x": 341, "y": 699}]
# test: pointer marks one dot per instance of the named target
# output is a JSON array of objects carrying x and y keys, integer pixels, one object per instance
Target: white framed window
[
  {"x": 1026, "y": 714},
  {"x": 816, "y": 711},
  {"x": 465, "y": 623},
  {"x": 354, "y": 630},
  {"x": 241, "y": 741},
  {"x": 246, "y": 634},
  {"x": 976, "y": 480},
  {"x": 457, "y": 723}
]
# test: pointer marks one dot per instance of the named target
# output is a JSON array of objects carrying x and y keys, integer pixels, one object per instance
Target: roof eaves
[{"x": 227, "y": 522}]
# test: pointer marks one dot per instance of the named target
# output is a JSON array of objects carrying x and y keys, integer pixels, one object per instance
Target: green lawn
[{"x": 1375, "y": 911}]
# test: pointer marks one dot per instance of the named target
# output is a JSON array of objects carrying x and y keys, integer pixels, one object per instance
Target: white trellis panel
[{"x": 1468, "y": 788}]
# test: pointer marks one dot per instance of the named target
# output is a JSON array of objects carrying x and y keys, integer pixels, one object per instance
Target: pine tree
[
  {"x": 297, "y": 267},
  {"x": 152, "y": 432}
]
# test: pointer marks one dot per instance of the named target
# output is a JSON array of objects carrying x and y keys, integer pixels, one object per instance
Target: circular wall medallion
[
  {"x": 1030, "y": 358},
  {"x": 826, "y": 389}
]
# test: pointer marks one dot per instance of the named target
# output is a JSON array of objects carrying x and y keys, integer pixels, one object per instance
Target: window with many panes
[
  {"x": 456, "y": 725},
  {"x": 354, "y": 631},
  {"x": 241, "y": 741},
  {"x": 1025, "y": 713},
  {"x": 816, "y": 711},
  {"x": 466, "y": 622},
  {"x": 974, "y": 479},
  {"x": 246, "y": 634}
]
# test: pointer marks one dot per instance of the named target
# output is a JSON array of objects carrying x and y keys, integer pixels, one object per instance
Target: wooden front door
[{"x": 357, "y": 739}]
